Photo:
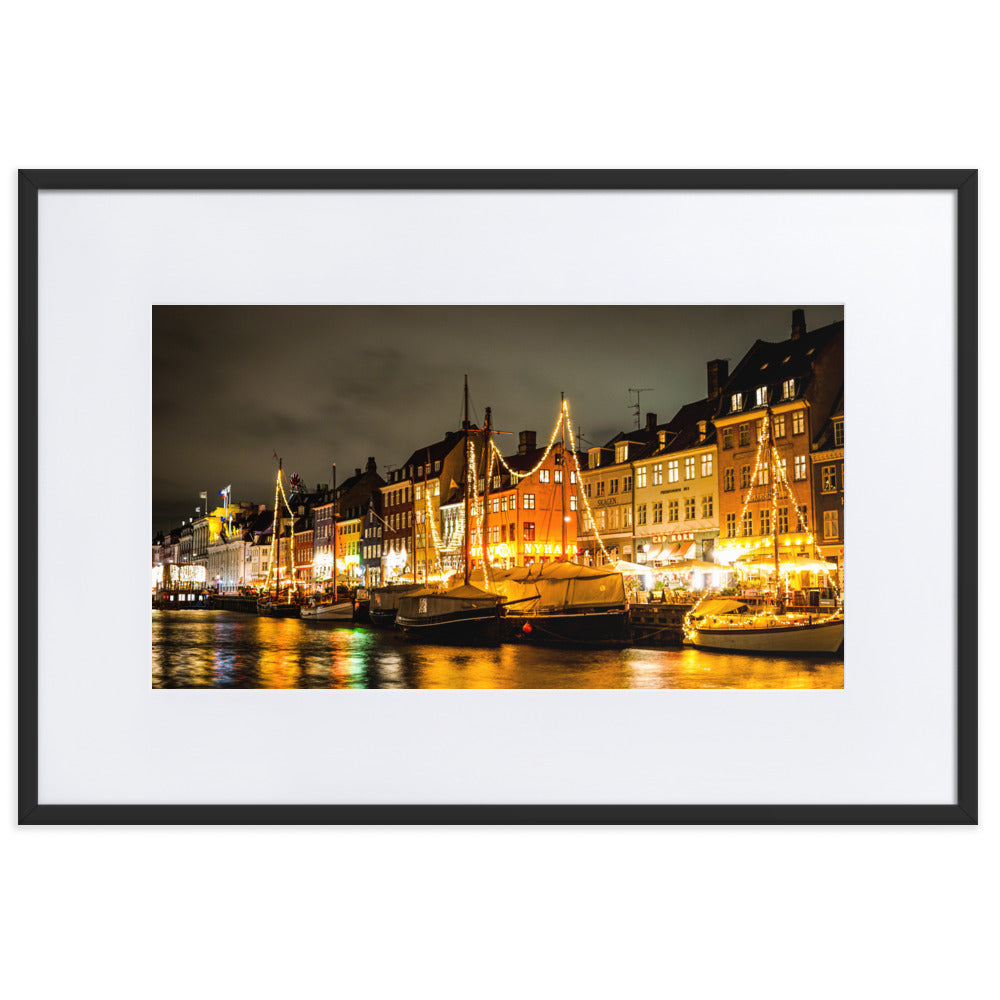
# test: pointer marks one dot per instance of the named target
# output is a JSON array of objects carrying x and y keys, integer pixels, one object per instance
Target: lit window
[
  {"x": 747, "y": 524},
  {"x": 838, "y": 433},
  {"x": 765, "y": 521},
  {"x": 640, "y": 478},
  {"x": 788, "y": 389},
  {"x": 706, "y": 464},
  {"x": 736, "y": 402},
  {"x": 558, "y": 476},
  {"x": 621, "y": 453},
  {"x": 763, "y": 475},
  {"x": 572, "y": 477},
  {"x": 799, "y": 422},
  {"x": 829, "y": 479},
  {"x": 779, "y": 426},
  {"x": 803, "y": 518},
  {"x": 600, "y": 488},
  {"x": 689, "y": 464},
  {"x": 529, "y": 531},
  {"x": 496, "y": 505},
  {"x": 673, "y": 470},
  {"x": 657, "y": 474},
  {"x": 761, "y": 397},
  {"x": 831, "y": 524},
  {"x": 572, "y": 502},
  {"x": 800, "y": 466},
  {"x": 543, "y": 475},
  {"x": 730, "y": 526},
  {"x": 529, "y": 501}
]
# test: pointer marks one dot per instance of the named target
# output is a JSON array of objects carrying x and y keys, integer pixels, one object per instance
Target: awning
[
  {"x": 682, "y": 550},
  {"x": 656, "y": 552}
]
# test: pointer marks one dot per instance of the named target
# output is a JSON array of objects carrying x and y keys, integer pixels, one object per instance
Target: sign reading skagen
[{"x": 606, "y": 502}]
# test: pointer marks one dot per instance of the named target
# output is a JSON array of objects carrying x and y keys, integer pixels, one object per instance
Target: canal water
[{"x": 226, "y": 649}]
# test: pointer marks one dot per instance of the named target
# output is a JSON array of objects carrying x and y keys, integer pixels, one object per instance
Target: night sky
[{"x": 232, "y": 385}]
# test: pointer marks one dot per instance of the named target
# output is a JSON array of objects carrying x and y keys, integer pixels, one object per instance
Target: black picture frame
[{"x": 963, "y": 182}]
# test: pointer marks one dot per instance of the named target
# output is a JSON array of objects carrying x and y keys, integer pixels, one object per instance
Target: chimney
[
  {"x": 371, "y": 466},
  {"x": 526, "y": 442},
  {"x": 357, "y": 472},
  {"x": 798, "y": 323},
  {"x": 718, "y": 372},
  {"x": 650, "y": 421}
]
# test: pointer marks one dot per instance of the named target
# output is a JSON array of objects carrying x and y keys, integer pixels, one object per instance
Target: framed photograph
[{"x": 498, "y": 497}]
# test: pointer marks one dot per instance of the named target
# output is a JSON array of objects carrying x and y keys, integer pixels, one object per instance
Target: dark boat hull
[
  {"x": 266, "y": 610},
  {"x": 382, "y": 619},
  {"x": 361, "y": 612},
  {"x": 472, "y": 627},
  {"x": 591, "y": 628}
]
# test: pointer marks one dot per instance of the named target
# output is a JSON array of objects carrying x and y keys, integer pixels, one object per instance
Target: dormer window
[
  {"x": 621, "y": 453},
  {"x": 788, "y": 389},
  {"x": 736, "y": 402},
  {"x": 762, "y": 396}
]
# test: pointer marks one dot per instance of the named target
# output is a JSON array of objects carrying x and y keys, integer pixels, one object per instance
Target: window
[
  {"x": 627, "y": 517},
  {"x": 761, "y": 397},
  {"x": 763, "y": 475},
  {"x": 736, "y": 402},
  {"x": 420, "y": 472},
  {"x": 831, "y": 524},
  {"x": 706, "y": 506},
  {"x": 613, "y": 486},
  {"x": 621, "y": 453},
  {"x": 783, "y": 470},
  {"x": 612, "y": 517},
  {"x": 658, "y": 474},
  {"x": 674, "y": 510},
  {"x": 747, "y": 524},
  {"x": 838, "y": 433},
  {"x": 529, "y": 501},
  {"x": 529, "y": 531},
  {"x": 572, "y": 477},
  {"x": 417, "y": 493},
  {"x": 788, "y": 389},
  {"x": 495, "y": 481},
  {"x": 727, "y": 437},
  {"x": 600, "y": 488},
  {"x": 495, "y": 533},
  {"x": 640, "y": 513},
  {"x": 745, "y": 477},
  {"x": 782, "y": 520},
  {"x": 730, "y": 479},
  {"x": 765, "y": 521},
  {"x": 627, "y": 484},
  {"x": 657, "y": 513},
  {"x": 706, "y": 464},
  {"x": 496, "y": 505},
  {"x": 543, "y": 475},
  {"x": 744, "y": 435},
  {"x": 799, "y": 422},
  {"x": 557, "y": 476},
  {"x": 640, "y": 478},
  {"x": 503, "y": 504},
  {"x": 586, "y": 489},
  {"x": 730, "y": 526},
  {"x": 673, "y": 470},
  {"x": 829, "y": 479},
  {"x": 779, "y": 426},
  {"x": 803, "y": 518},
  {"x": 572, "y": 502},
  {"x": 689, "y": 464},
  {"x": 689, "y": 509},
  {"x": 800, "y": 466},
  {"x": 437, "y": 465}
]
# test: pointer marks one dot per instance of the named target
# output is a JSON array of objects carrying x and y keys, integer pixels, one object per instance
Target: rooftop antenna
[{"x": 636, "y": 405}]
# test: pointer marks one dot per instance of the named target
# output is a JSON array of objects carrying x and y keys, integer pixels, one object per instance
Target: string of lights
[
  {"x": 524, "y": 475},
  {"x": 579, "y": 481}
]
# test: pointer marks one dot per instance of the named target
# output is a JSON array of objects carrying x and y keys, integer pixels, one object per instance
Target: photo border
[{"x": 964, "y": 182}]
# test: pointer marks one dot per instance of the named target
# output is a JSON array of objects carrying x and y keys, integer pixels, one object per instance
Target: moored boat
[
  {"x": 328, "y": 611},
  {"x": 277, "y": 609},
  {"x": 464, "y": 615},
  {"x": 383, "y": 602},
  {"x": 770, "y": 633}
]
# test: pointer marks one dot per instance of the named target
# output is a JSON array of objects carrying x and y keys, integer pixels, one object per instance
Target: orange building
[{"x": 526, "y": 518}]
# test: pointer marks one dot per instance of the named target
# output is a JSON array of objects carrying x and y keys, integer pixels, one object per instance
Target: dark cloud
[{"x": 323, "y": 384}]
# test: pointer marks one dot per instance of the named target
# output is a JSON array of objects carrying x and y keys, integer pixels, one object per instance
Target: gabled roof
[
  {"x": 437, "y": 451},
  {"x": 824, "y": 439},
  {"x": 769, "y": 364},
  {"x": 684, "y": 431}
]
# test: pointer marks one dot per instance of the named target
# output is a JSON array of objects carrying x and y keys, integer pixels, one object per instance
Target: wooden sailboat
[
  {"x": 768, "y": 630},
  {"x": 272, "y": 605},
  {"x": 334, "y": 609},
  {"x": 563, "y": 603},
  {"x": 465, "y": 615}
]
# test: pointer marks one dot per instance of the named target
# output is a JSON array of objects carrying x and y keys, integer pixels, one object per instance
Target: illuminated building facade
[
  {"x": 828, "y": 488},
  {"x": 800, "y": 379},
  {"x": 371, "y": 542}
]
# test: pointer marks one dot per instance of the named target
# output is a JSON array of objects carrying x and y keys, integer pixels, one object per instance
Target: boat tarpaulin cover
[
  {"x": 387, "y": 598},
  {"x": 556, "y": 586},
  {"x": 720, "y": 606},
  {"x": 429, "y": 603}
]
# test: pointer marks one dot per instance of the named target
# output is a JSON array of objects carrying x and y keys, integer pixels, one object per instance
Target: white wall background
[{"x": 596, "y": 912}]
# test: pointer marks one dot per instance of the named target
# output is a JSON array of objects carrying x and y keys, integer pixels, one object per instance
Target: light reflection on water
[{"x": 224, "y": 649}]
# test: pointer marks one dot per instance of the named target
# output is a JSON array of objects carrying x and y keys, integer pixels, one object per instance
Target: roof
[
  {"x": 684, "y": 431},
  {"x": 437, "y": 451},
  {"x": 769, "y": 364},
  {"x": 824, "y": 439}
]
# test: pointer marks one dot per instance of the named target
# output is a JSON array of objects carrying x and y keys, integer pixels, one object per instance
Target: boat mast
[
  {"x": 772, "y": 462},
  {"x": 427, "y": 521},
  {"x": 465, "y": 426},
  {"x": 334, "y": 509},
  {"x": 277, "y": 537},
  {"x": 486, "y": 489},
  {"x": 565, "y": 472}
]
